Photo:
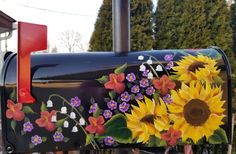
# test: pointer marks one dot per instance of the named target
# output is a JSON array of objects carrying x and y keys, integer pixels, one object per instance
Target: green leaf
[
  {"x": 112, "y": 94},
  {"x": 44, "y": 139},
  {"x": 28, "y": 110},
  {"x": 81, "y": 108},
  {"x": 103, "y": 79},
  {"x": 156, "y": 142},
  {"x": 116, "y": 127},
  {"x": 132, "y": 97},
  {"x": 59, "y": 123},
  {"x": 66, "y": 139},
  {"x": 31, "y": 145},
  {"x": 13, "y": 125},
  {"x": 13, "y": 95},
  {"x": 26, "y": 119},
  {"x": 88, "y": 139},
  {"x": 218, "y": 80},
  {"x": 218, "y": 137},
  {"x": 107, "y": 99},
  {"x": 97, "y": 112},
  {"x": 173, "y": 77},
  {"x": 22, "y": 132},
  {"x": 59, "y": 129},
  {"x": 156, "y": 96},
  {"x": 43, "y": 107},
  {"x": 129, "y": 85},
  {"x": 121, "y": 69}
]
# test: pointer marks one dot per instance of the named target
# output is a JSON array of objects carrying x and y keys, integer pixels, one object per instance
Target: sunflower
[
  {"x": 196, "y": 110},
  {"x": 146, "y": 119},
  {"x": 196, "y": 68}
]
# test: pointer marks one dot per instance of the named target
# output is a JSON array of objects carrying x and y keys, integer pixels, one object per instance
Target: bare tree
[{"x": 71, "y": 40}]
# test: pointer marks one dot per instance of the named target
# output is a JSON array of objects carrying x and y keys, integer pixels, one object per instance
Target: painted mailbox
[{"x": 102, "y": 100}]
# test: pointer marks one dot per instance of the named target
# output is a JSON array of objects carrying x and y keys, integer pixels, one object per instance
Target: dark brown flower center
[
  {"x": 196, "y": 65},
  {"x": 196, "y": 112},
  {"x": 148, "y": 119}
]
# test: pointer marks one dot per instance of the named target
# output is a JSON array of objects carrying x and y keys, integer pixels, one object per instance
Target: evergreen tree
[
  {"x": 167, "y": 24},
  {"x": 233, "y": 10},
  {"x": 141, "y": 26}
]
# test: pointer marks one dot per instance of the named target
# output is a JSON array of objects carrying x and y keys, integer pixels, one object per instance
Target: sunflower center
[
  {"x": 196, "y": 112},
  {"x": 148, "y": 119},
  {"x": 196, "y": 65}
]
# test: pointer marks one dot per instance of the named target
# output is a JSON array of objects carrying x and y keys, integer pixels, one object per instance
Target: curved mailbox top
[{"x": 103, "y": 100}]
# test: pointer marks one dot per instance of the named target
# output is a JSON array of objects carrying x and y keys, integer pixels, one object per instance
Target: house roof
[{"x": 6, "y": 22}]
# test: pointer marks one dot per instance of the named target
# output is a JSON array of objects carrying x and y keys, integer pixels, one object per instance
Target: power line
[{"x": 54, "y": 11}]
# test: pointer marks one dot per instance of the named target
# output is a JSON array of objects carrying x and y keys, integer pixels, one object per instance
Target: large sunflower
[
  {"x": 196, "y": 110},
  {"x": 146, "y": 119},
  {"x": 196, "y": 68}
]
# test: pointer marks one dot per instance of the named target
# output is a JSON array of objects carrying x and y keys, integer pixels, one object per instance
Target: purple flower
[
  {"x": 135, "y": 89},
  {"x": 144, "y": 83},
  {"x": 169, "y": 57},
  {"x": 150, "y": 91},
  {"x": 167, "y": 99},
  {"x": 169, "y": 65},
  {"x": 93, "y": 108},
  {"x": 131, "y": 77},
  {"x": 125, "y": 96},
  {"x": 112, "y": 105},
  {"x": 107, "y": 114},
  {"x": 75, "y": 102},
  {"x": 139, "y": 96},
  {"x": 109, "y": 141},
  {"x": 124, "y": 107},
  {"x": 28, "y": 127},
  {"x": 58, "y": 137},
  {"x": 36, "y": 140},
  {"x": 145, "y": 73}
]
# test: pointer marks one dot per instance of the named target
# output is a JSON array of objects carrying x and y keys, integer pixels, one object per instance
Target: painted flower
[
  {"x": 131, "y": 77},
  {"x": 147, "y": 119},
  {"x": 75, "y": 102},
  {"x": 171, "y": 136},
  {"x": 109, "y": 141},
  {"x": 116, "y": 82},
  {"x": 145, "y": 73},
  {"x": 14, "y": 111},
  {"x": 96, "y": 125},
  {"x": 142, "y": 68},
  {"x": 49, "y": 103},
  {"x": 112, "y": 105},
  {"x": 135, "y": 89},
  {"x": 58, "y": 136},
  {"x": 124, "y": 107},
  {"x": 169, "y": 65},
  {"x": 164, "y": 84},
  {"x": 169, "y": 57},
  {"x": 93, "y": 108},
  {"x": 107, "y": 114},
  {"x": 45, "y": 120},
  {"x": 125, "y": 97},
  {"x": 139, "y": 96},
  {"x": 28, "y": 126},
  {"x": 196, "y": 68},
  {"x": 150, "y": 91},
  {"x": 197, "y": 108},
  {"x": 36, "y": 140},
  {"x": 167, "y": 99},
  {"x": 150, "y": 75},
  {"x": 144, "y": 83}
]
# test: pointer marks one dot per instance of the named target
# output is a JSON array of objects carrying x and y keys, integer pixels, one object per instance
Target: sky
[{"x": 58, "y": 15}]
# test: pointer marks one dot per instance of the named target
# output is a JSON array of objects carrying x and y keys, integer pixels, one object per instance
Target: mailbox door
[{"x": 100, "y": 100}]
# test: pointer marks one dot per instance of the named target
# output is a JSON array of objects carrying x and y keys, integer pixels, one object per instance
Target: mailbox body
[{"x": 94, "y": 100}]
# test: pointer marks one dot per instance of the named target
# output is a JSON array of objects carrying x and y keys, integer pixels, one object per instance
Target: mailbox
[{"x": 102, "y": 100}]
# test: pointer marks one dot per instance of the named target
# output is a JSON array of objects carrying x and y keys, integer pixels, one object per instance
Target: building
[{"x": 6, "y": 27}]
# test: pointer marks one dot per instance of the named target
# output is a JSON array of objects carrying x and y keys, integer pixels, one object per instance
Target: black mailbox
[{"x": 102, "y": 100}]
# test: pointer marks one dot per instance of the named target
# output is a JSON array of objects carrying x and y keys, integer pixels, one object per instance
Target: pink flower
[
  {"x": 14, "y": 111},
  {"x": 45, "y": 120},
  {"x": 116, "y": 82},
  {"x": 171, "y": 136},
  {"x": 96, "y": 125},
  {"x": 164, "y": 84}
]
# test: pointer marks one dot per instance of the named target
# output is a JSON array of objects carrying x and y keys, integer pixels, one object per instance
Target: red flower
[
  {"x": 171, "y": 136},
  {"x": 45, "y": 120},
  {"x": 14, "y": 111},
  {"x": 116, "y": 82},
  {"x": 96, "y": 125},
  {"x": 164, "y": 84}
]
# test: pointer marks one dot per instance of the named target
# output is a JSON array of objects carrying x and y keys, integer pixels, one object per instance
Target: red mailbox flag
[{"x": 31, "y": 38}]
